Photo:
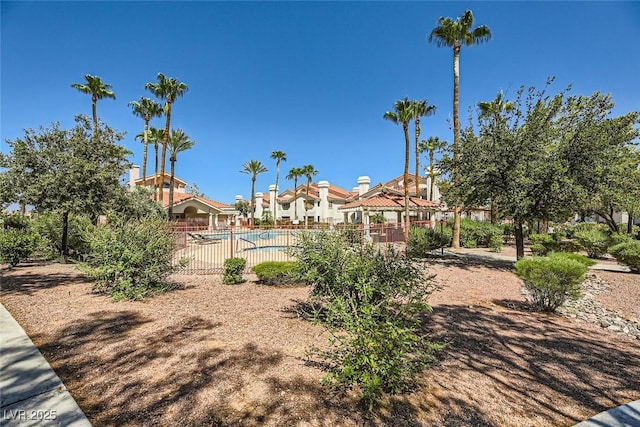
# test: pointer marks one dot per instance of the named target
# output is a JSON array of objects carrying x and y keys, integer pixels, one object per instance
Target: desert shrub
[
  {"x": 543, "y": 243},
  {"x": 373, "y": 299},
  {"x": 352, "y": 233},
  {"x": 276, "y": 272},
  {"x": 131, "y": 259},
  {"x": 16, "y": 245},
  {"x": 576, "y": 257},
  {"x": 617, "y": 238},
  {"x": 551, "y": 281},
  {"x": 495, "y": 243},
  {"x": 233, "y": 269},
  {"x": 627, "y": 254},
  {"x": 424, "y": 240},
  {"x": 479, "y": 232},
  {"x": 48, "y": 225},
  {"x": 594, "y": 242}
]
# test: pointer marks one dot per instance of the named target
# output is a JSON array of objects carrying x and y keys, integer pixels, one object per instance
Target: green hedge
[
  {"x": 276, "y": 272},
  {"x": 16, "y": 245},
  {"x": 551, "y": 280},
  {"x": 627, "y": 254},
  {"x": 424, "y": 240},
  {"x": 233, "y": 269}
]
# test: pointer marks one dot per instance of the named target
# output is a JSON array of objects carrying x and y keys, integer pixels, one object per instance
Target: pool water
[
  {"x": 268, "y": 249},
  {"x": 252, "y": 236}
]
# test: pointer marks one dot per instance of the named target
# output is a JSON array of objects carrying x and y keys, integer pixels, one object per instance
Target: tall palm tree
[
  {"x": 278, "y": 156},
  {"x": 147, "y": 109},
  {"x": 402, "y": 115},
  {"x": 454, "y": 34},
  {"x": 420, "y": 109},
  {"x": 432, "y": 144},
  {"x": 253, "y": 168},
  {"x": 155, "y": 136},
  {"x": 493, "y": 110},
  {"x": 98, "y": 90},
  {"x": 309, "y": 171},
  {"x": 294, "y": 174},
  {"x": 178, "y": 142},
  {"x": 169, "y": 89}
]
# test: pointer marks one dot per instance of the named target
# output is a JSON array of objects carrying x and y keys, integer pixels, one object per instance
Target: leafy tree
[
  {"x": 98, "y": 90},
  {"x": 253, "y": 168},
  {"x": 309, "y": 171},
  {"x": 178, "y": 142},
  {"x": 454, "y": 34},
  {"x": 403, "y": 114},
  {"x": 169, "y": 89},
  {"x": 243, "y": 207},
  {"x": 420, "y": 109},
  {"x": 278, "y": 156},
  {"x": 294, "y": 174},
  {"x": 194, "y": 190},
  {"x": 147, "y": 109},
  {"x": 61, "y": 169}
]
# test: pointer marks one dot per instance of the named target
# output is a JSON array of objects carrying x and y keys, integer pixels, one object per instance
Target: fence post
[{"x": 231, "y": 241}]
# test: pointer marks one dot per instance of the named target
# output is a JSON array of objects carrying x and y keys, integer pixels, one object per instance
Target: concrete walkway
[
  {"x": 623, "y": 416},
  {"x": 30, "y": 391}
]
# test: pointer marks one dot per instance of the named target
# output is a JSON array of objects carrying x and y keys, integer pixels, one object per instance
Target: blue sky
[{"x": 312, "y": 79}]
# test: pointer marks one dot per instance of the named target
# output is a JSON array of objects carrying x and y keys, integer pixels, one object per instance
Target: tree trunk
[
  {"x": 295, "y": 199},
  {"x": 145, "y": 151},
  {"x": 165, "y": 142},
  {"x": 94, "y": 112},
  {"x": 253, "y": 200},
  {"x": 171, "y": 181},
  {"x": 629, "y": 224},
  {"x": 455, "y": 243},
  {"x": 155, "y": 177},
  {"x": 306, "y": 206},
  {"x": 417, "y": 158},
  {"x": 405, "y": 127},
  {"x": 519, "y": 239},
  {"x": 65, "y": 236},
  {"x": 275, "y": 196}
]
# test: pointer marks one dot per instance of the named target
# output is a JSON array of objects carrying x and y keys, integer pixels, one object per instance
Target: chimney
[
  {"x": 258, "y": 207},
  {"x": 134, "y": 174},
  {"x": 363, "y": 185},
  {"x": 323, "y": 190}
]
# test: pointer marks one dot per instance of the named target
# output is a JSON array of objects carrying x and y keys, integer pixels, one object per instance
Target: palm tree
[
  {"x": 402, "y": 115},
  {"x": 278, "y": 156},
  {"x": 294, "y": 174},
  {"x": 178, "y": 142},
  {"x": 309, "y": 171},
  {"x": 169, "y": 89},
  {"x": 493, "y": 110},
  {"x": 98, "y": 90},
  {"x": 147, "y": 109},
  {"x": 420, "y": 109},
  {"x": 454, "y": 34},
  {"x": 432, "y": 144},
  {"x": 253, "y": 168},
  {"x": 155, "y": 135}
]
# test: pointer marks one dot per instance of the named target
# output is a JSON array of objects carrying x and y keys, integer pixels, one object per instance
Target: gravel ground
[{"x": 211, "y": 354}]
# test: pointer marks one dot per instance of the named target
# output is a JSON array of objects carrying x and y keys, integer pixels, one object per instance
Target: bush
[
  {"x": 233, "y": 268},
  {"x": 470, "y": 244},
  {"x": 617, "y": 238},
  {"x": 551, "y": 281},
  {"x": 594, "y": 242},
  {"x": 576, "y": 257},
  {"x": 48, "y": 225},
  {"x": 372, "y": 302},
  {"x": 276, "y": 272},
  {"x": 495, "y": 243},
  {"x": 424, "y": 240},
  {"x": 478, "y": 232},
  {"x": 16, "y": 245},
  {"x": 132, "y": 259},
  {"x": 588, "y": 226},
  {"x": 17, "y": 222},
  {"x": 627, "y": 254}
]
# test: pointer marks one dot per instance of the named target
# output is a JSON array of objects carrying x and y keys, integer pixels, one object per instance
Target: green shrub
[
  {"x": 132, "y": 259},
  {"x": 470, "y": 244},
  {"x": 233, "y": 269},
  {"x": 495, "y": 243},
  {"x": 424, "y": 240},
  {"x": 627, "y": 254},
  {"x": 588, "y": 226},
  {"x": 538, "y": 249},
  {"x": 594, "y": 242},
  {"x": 276, "y": 272},
  {"x": 576, "y": 257},
  {"x": 17, "y": 222},
  {"x": 617, "y": 238},
  {"x": 372, "y": 302},
  {"x": 48, "y": 225},
  {"x": 16, "y": 245},
  {"x": 479, "y": 232},
  {"x": 551, "y": 281}
]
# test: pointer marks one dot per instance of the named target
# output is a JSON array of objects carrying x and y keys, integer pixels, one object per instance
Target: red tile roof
[
  {"x": 390, "y": 201},
  {"x": 182, "y": 197}
]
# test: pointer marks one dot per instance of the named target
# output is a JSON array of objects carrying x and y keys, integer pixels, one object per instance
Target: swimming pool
[
  {"x": 252, "y": 236},
  {"x": 274, "y": 248}
]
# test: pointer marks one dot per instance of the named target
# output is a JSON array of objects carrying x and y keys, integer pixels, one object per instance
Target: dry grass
[{"x": 211, "y": 354}]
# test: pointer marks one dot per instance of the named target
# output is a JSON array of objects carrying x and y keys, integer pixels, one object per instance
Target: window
[
  {"x": 318, "y": 203},
  {"x": 330, "y": 205},
  {"x": 286, "y": 206}
]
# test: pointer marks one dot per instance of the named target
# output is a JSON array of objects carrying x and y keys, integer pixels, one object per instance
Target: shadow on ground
[{"x": 18, "y": 280}]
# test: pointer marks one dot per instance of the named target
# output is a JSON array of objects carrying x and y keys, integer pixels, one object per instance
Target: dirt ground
[{"x": 212, "y": 354}]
